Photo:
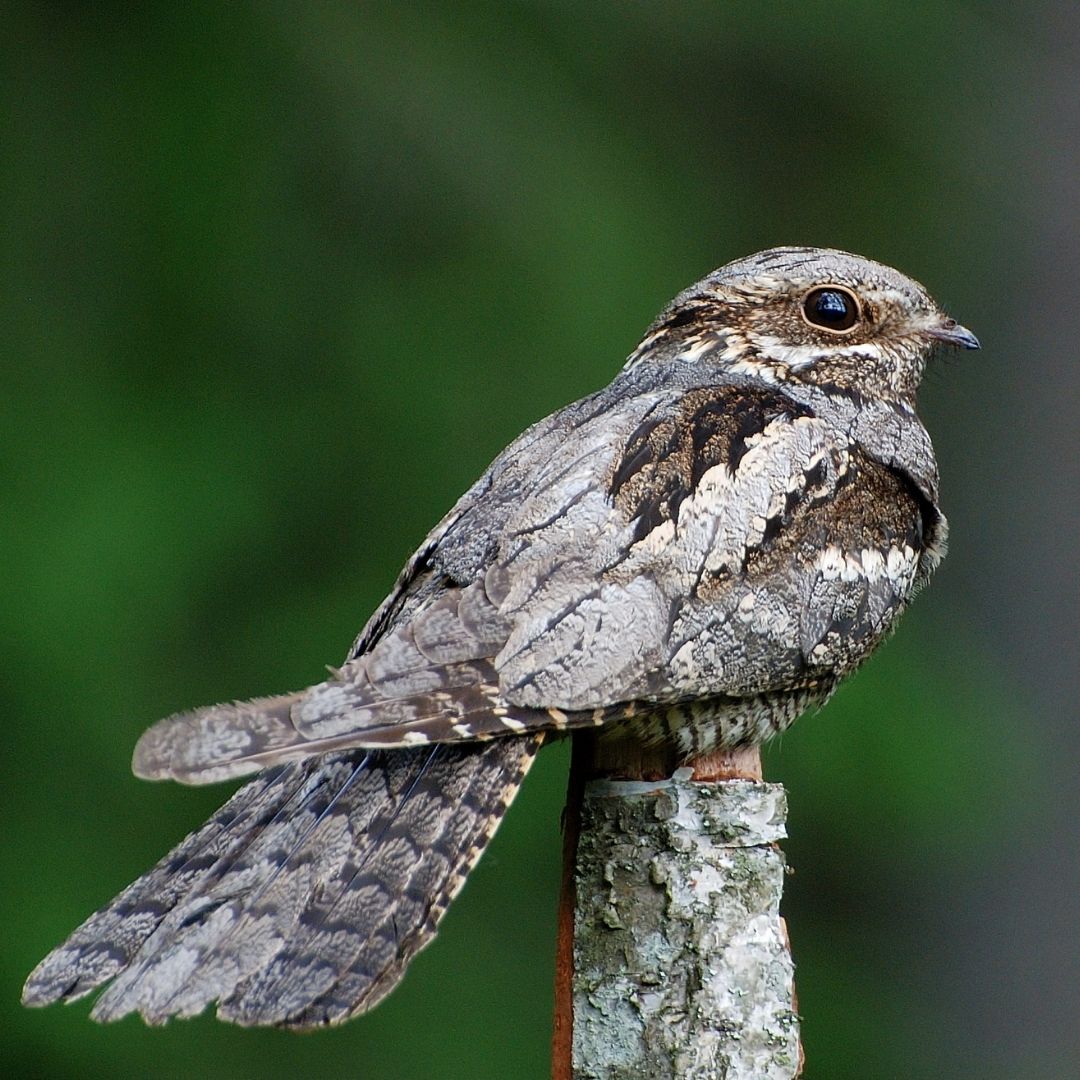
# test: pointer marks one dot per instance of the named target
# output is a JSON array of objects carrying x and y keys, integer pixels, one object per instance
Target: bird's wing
[
  {"x": 423, "y": 669},
  {"x": 737, "y": 546},
  {"x": 720, "y": 542}
]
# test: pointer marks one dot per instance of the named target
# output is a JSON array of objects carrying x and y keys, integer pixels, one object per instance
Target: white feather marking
[
  {"x": 696, "y": 350},
  {"x": 796, "y": 357}
]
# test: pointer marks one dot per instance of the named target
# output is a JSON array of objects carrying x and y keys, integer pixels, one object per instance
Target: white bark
[{"x": 681, "y": 962}]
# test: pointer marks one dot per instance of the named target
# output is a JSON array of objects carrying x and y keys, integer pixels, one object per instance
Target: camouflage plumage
[{"x": 695, "y": 554}]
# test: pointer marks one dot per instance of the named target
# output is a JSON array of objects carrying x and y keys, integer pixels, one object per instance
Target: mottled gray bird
[{"x": 692, "y": 556}]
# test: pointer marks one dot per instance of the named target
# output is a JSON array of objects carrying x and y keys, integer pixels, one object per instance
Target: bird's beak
[{"x": 952, "y": 333}]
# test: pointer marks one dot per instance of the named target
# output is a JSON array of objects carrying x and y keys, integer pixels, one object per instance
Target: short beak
[{"x": 952, "y": 333}]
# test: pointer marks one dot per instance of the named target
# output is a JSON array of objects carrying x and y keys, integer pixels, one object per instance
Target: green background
[{"x": 278, "y": 280}]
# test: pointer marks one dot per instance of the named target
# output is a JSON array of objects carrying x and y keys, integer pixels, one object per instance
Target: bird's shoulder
[{"x": 697, "y": 440}]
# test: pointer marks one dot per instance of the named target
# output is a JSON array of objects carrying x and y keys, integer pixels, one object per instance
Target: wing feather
[{"x": 676, "y": 567}]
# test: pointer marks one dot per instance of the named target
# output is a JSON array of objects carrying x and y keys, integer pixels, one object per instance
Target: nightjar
[{"x": 692, "y": 556}]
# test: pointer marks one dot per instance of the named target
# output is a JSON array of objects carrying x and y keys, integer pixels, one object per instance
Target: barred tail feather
[
  {"x": 302, "y": 901},
  {"x": 106, "y": 943},
  {"x": 352, "y": 947}
]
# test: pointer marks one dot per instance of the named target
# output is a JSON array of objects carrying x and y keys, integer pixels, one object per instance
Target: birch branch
[{"x": 681, "y": 965}]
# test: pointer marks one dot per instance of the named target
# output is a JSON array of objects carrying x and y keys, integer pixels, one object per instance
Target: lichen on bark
[{"x": 681, "y": 962}]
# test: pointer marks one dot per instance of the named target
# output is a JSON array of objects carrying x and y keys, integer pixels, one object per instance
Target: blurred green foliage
[{"x": 279, "y": 280}]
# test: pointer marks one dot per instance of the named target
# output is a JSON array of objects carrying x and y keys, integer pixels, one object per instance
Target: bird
[{"x": 689, "y": 558}]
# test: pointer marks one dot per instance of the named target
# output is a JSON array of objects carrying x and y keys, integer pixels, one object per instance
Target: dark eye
[{"x": 831, "y": 309}]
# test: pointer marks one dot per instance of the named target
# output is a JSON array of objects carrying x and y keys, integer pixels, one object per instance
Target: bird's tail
[{"x": 305, "y": 897}]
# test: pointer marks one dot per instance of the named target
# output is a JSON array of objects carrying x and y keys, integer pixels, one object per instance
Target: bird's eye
[{"x": 831, "y": 308}]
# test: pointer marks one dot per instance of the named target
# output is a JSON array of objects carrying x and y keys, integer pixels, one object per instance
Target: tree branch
[{"x": 681, "y": 966}]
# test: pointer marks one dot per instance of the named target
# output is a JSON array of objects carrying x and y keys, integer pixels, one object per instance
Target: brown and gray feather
[{"x": 694, "y": 555}]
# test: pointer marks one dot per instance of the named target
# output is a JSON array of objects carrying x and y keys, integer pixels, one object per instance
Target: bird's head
[{"x": 807, "y": 315}]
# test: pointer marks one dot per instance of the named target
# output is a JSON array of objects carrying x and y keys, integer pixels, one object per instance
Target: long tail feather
[
  {"x": 305, "y": 897},
  {"x": 108, "y": 941}
]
